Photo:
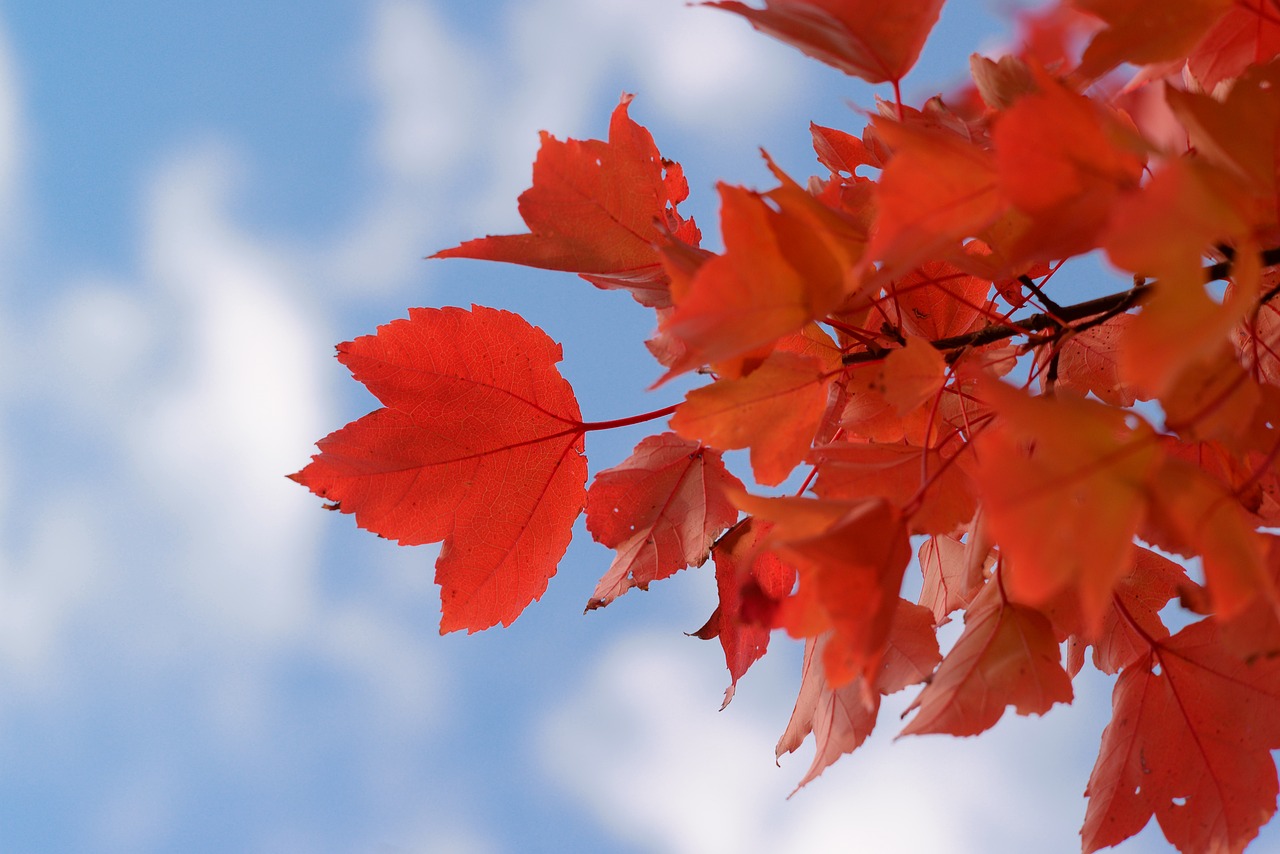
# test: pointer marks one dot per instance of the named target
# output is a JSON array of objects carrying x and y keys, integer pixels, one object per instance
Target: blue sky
[{"x": 197, "y": 201}]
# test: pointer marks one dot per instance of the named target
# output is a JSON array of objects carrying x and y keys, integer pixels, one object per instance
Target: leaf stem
[{"x": 589, "y": 426}]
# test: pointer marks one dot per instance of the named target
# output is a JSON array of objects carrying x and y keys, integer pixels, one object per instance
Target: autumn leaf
[
  {"x": 1238, "y": 132},
  {"x": 1088, "y": 362},
  {"x": 937, "y": 189},
  {"x": 1133, "y": 620},
  {"x": 874, "y": 41},
  {"x": 939, "y": 300},
  {"x": 850, "y": 558},
  {"x": 598, "y": 209},
  {"x": 1062, "y": 161},
  {"x": 478, "y": 444},
  {"x": 913, "y": 374},
  {"x": 841, "y": 718},
  {"x": 1163, "y": 231},
  {"x": 1193, "y": 514},
  {"x": 660, "y": 509},
  {"x": 774, "y": 411},
  {"x": 1055, "y": 473},
  {"x": 1189, "y": 742},
  {"x": 1006, "y": 656},
  {"x": 842, "y": 152},
  {"x": 911, "y": 651},
  {"x": 901, "y": 474},
  {"x": 1146, "y": 31},
  {"x": 952, "y": 574},
  {"x": 788, "y": 260},
  {"x": 750, "y": 581},
  {"x": 1249, "y": 33}
]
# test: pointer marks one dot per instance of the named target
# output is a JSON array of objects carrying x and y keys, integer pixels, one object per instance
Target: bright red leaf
[
  {"x": 1248, "y": 33},
  {"x": 1146, "y": 31},
  {"x": 478, "y": 444},
  {"x": 788, "y": 260},
  {"x": 598, "y": 209},
  {"x": 850, "y": 557},
  {"x": 1056, "y": 473},
  {"x": 751, "y": 581},
  {"x": 1134, "y": 618},
  {"x": 871, "y": 40}
]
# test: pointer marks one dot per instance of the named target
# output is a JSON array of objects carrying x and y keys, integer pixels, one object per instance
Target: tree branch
[{"x": 1099, "y": 310}]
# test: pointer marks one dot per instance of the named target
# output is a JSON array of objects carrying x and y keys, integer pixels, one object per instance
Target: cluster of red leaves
[{"x": 871, "y": 326}]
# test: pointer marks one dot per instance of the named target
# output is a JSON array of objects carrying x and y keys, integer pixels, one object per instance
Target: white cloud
[
  {"x": 428, "y": 81},
  {"x": 12, "y": 137},
  {"x": 98, "y": 337},
  {"x": 643, "y": 749},
  {"x": 47, "y": 585},
  {"x": 241, "y": 401}
]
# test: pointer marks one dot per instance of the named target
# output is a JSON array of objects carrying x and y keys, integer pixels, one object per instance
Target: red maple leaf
[
  {"x": 1190, "y": 741},
  {"x": 841, "y": 718},
  {"x": 750, "y": 582},
  {"x": 598, "y": 209},
  {"x": 1006, "y": 656},
  {"x": 878, "y": 42},
  {"x": 478, "y": 444},
  {"x": 660, "y": 509}
]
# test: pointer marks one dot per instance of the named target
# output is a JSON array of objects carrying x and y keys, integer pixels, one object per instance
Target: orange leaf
[
  {"x": 598, "y": 209},
  {"x": 1239, "y": 132},
  {"x": 953, "y": 574},
  {"x": 898, "y": 473},
  {"x": 1192, "y": 513},
  {"x": 871, "y": 40},
  {"x": 1134, "y": 621},
  {"x": 842, "y": 718},
  {"x": 478, "y": 444},
  {"x": 913, "y": 374},
  {"x": 660, "y": 509},
  {"x": 939, "y": 300},
  {"x": 850, "y": 558},
  {"x": 911, "y": 651},
  {"x": 1143, "y": 32},
  {"x": 1006, "y": 656},
  {"x": 1189, "y": 741},
  {"x": 774, "y": 411},
  {"x": 1087, "y": 362},
  {"x": 1060, "y": 163},
  {"x": 842, "y": 152},
  {"x": 1163, "y": 231},
  {"x": 788, "y": 260},
  {"x": 937, "y": 189},
  {"x": 1055, "y": 473}
]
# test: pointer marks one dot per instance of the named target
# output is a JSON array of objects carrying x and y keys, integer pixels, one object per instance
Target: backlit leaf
[
  {"x": 660, "y": 509},
  {"x": 478, "y": 444},
  {"x": 597, "y": 209},
  {"x": 874, "y": 41}
]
